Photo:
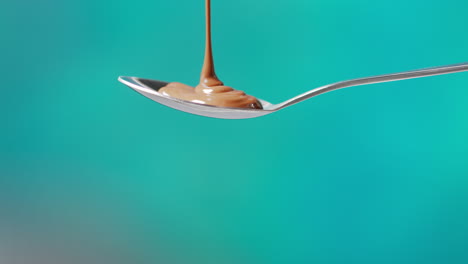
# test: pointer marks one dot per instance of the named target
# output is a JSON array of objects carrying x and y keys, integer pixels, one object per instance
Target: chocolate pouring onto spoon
[{"x": 212, "y": 98}]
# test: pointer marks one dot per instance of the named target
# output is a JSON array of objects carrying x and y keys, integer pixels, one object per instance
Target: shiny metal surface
[{"x": 149, "y": 88}]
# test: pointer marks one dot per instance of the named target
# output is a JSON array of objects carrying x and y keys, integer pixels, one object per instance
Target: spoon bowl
[{"x": 150, "y": 88}]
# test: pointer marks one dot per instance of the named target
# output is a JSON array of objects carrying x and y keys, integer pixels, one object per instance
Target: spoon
[{"x": 149, "y": 88}]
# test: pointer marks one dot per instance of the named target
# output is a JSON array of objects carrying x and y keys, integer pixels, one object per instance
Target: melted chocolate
[{"x": 211, "y": 90}]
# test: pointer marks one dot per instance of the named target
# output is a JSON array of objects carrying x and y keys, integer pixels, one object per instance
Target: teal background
[{"x": 92, "y": 172}]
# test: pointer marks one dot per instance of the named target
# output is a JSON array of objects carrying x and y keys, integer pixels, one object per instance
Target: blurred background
[{"x": 92, "y": 172}]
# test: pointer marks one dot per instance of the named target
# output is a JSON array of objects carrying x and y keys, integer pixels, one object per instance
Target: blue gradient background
[{"x": 92, "y": 172}]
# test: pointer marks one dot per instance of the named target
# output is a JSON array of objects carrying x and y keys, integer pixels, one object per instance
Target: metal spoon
[{"x": 149, "y": 88}]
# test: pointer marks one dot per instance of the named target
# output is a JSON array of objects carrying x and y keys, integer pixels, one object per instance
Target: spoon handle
[{"x": 378, "y": 79}]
